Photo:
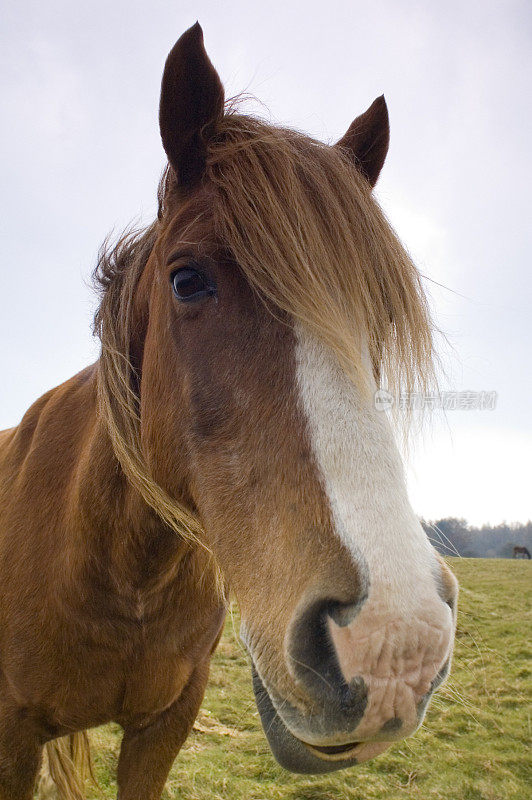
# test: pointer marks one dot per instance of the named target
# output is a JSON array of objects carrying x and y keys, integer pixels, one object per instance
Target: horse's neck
[
  {"x": 130, "y": 542},
  {"x": 71, "y": 493}
]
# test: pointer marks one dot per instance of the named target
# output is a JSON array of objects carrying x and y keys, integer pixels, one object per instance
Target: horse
[
  {"x": 226, "y": 440},
  {"x": 521, "y": 552}
]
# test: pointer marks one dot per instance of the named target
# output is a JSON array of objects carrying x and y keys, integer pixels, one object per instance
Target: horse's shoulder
[{"x": 55, "y": 415}]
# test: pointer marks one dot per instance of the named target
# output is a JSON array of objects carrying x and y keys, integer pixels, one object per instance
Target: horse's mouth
[
  {"x": 297, "y": 755},
  {"x": 335, "y": 752}
]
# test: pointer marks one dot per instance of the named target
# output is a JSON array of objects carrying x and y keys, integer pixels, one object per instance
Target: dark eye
[{"x": 190, "y": 285}]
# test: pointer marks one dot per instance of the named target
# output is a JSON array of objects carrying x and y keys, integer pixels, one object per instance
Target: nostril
[
  {"x": 343, "y": 614},
  {"x": 312, "y": 657},
  {"x": 311, "y": 654},
  {"x": 447, "y": 585},
  {"x": 451, "y": 602},
  {"x": 449, "y": 596}
]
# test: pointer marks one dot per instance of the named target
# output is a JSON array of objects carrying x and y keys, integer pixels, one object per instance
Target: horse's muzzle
[
  {"x": 296, "y": 755},
  {"x": 363, "y": 680}
]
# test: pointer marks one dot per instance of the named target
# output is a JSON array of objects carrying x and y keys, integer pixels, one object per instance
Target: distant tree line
[{"x": 452, "y": 536}]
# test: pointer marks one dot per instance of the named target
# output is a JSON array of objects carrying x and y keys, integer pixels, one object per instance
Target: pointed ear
[
  {"x": 192, "y": 101},
  {"x": 367, "y": 140}
]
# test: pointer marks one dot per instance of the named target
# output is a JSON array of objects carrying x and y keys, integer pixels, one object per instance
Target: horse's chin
[{"x": 296, "y": 755}]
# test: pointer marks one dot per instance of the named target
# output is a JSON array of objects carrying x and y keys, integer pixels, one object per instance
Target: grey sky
[{"x": 81, "y": 155}]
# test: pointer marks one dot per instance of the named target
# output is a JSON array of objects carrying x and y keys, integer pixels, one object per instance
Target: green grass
[{"x": 473, "y": 744}]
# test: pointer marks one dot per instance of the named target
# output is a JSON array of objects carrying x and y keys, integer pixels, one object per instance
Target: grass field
[{"x": 473, "y": 744}]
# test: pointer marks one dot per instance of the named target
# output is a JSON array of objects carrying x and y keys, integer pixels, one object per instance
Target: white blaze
[{"x": 362, "y": 474}]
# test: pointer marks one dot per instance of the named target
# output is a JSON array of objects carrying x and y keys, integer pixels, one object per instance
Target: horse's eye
[{"x": 190, "y": 285}]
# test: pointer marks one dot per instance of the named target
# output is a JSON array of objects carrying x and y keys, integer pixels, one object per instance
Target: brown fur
[
  {"x": 182, "y": 455},
  {"x": 305, "y": 207}
]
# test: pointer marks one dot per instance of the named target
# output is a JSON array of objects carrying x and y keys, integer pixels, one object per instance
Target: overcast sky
[{"x": 81, "y": 155}]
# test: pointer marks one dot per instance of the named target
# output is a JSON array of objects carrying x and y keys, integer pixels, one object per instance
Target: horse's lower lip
[
  {"x": 336, "y": 752},
  {"x": 297, "y": 755}
]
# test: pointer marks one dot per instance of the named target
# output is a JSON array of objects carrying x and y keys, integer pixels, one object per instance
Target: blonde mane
[
  {"x": 304, "y": 228},
  {"x": 117, "y": 274},
  {"x": 303, "y": 225}
]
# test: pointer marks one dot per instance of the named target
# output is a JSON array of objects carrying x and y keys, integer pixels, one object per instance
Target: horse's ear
[
  {"x": 367, "y": 140},
  {"x": 192, "y": 101}
]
